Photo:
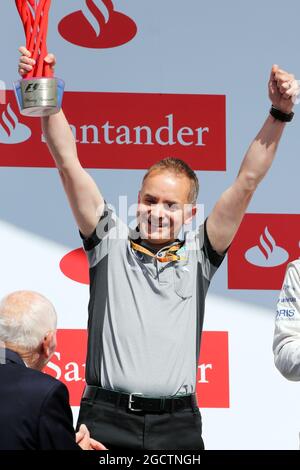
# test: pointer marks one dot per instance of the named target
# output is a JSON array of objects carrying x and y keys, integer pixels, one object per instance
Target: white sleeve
[{"x": 286, "y": 343}]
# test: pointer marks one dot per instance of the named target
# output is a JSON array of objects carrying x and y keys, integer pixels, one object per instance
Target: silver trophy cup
[{"x": 39, "y": 97}]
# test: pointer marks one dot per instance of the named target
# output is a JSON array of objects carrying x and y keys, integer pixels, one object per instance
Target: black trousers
[{"x": 120, "y": 428}]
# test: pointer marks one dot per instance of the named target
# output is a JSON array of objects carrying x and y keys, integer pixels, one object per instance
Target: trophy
[{"x": 38, "y": 93}]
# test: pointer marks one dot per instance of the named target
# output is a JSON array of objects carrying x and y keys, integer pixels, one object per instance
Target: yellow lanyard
[{"x": 170, "y": 255}]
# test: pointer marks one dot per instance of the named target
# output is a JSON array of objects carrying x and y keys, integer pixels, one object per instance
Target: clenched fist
[
  {"x": 26, "y": 63},
  {"x": 283, "y": 89}
]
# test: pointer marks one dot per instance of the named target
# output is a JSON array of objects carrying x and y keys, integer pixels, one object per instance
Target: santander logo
[
  {"x": 11, "y": 130},
  {"x": 266, "y": 253},
  {"x": 97, "y": 25},
  {"x": 127, "y": 130},
  {"x": 261, "y": 249}
]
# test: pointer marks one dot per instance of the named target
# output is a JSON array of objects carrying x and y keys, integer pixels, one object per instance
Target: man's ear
[
  {"x": 139, "y": 197},
  {"x": 49, "y": 344},
  {"x": 190, "y": 214}
]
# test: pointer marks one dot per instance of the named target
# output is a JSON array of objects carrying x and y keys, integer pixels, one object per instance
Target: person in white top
[{"x": 286, "y": 343}]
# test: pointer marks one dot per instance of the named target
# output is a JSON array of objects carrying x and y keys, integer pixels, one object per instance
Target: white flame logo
[
  {"x": 97, "y": 12},
  {"x": 266, "y": 253},
  {"x": 11, "y": 130}
]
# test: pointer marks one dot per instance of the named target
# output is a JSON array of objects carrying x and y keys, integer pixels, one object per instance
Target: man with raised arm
[{"x": 148, "y": 288}]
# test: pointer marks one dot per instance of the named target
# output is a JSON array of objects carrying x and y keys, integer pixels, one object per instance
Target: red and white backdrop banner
[{"x": 144, "y": 80}]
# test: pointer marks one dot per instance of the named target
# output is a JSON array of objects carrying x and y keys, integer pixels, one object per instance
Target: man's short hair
[
  {"x": 180, "y": 168},
  {"x": 25, "y": 318}
]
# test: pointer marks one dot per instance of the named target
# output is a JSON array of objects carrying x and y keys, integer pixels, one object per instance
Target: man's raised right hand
[{"x": 26, "y": 63}]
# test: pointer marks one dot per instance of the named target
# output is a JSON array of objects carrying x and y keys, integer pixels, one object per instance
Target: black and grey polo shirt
[{"x": 145, "y": 316}]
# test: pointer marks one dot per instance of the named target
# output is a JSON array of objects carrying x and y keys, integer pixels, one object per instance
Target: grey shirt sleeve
[
  {"x": 209, "y": 259},
  {"x": 215, "y": 258},
  {"x": 109, "y": 231}
]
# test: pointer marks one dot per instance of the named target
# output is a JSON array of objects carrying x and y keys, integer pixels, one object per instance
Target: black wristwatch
[{"x": 280, "y": 116}]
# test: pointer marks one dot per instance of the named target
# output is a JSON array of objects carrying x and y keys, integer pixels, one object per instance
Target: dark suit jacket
[{"x": 34, "y": 408}]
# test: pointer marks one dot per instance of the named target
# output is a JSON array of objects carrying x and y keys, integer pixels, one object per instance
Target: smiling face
[{"x": 164, "y": 206}]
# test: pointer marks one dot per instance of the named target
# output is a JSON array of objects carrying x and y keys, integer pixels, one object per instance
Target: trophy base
[{"x": 39, "y": 97}]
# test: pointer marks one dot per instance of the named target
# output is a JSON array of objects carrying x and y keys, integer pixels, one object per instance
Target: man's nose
[{"x": 157, "y": 211}]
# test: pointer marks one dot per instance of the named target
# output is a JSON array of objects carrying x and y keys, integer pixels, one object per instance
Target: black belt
[{"x": 138, "y": 402}]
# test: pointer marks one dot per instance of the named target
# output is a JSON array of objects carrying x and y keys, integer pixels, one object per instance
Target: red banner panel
[
  {"x": 68, "y": 365},
  {"x": 213, "y": 370},
  {"x": 261, "y": 250},
  {"x": 124, "y": 130}
]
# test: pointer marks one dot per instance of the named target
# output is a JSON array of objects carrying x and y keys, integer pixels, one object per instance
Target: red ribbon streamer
[{"x": 36, "y": 28}]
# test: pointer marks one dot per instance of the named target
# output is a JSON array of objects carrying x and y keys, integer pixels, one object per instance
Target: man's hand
[
  {"x": 283, "y": 89},
  {"x": 83, "y": 437},
  {"x": 96, "y": 445},
  {"x": 84, "y": 440},
  {"x": 26, "y": 63}
]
